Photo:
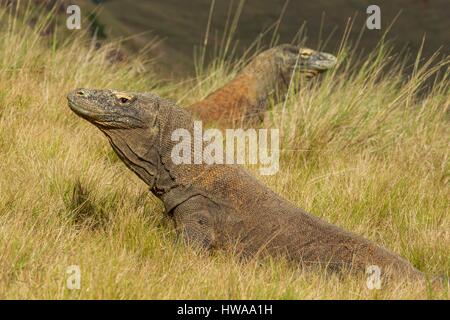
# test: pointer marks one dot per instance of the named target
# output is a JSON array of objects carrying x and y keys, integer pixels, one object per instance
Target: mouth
[
  {"x": 77, "y": 107},
  {"x": 311, "y": 73}
]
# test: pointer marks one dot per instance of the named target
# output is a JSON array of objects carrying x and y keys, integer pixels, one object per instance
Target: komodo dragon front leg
[
  {"x": 196, "y": 223},
  {"x": 207, "y": 225}
]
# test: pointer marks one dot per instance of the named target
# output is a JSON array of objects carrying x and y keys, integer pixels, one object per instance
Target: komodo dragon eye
[
  {"x": 305, "y": 55},
  {"x": 123, "y": 98}
]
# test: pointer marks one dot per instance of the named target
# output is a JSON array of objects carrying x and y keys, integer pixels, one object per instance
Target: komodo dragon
[
  {"x": 245, "y": 99},
  {"x": 221, "y": 206}
]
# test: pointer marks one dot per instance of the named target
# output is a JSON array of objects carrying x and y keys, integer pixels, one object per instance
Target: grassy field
[{"x": 360, "y": 150}]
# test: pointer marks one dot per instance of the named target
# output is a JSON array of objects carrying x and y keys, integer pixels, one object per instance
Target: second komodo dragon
[
  {"x": 245, "y": 99},
  {"x": 220, "y": 206}
]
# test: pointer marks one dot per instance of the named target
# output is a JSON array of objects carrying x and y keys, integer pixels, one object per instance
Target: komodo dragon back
[{"x": 221, "y": 206}]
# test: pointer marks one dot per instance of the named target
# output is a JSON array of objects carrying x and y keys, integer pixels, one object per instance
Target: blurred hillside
[{"x": 182, "y": 24}]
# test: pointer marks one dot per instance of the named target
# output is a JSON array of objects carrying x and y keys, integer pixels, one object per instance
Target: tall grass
[{"x": 360, "y": 149}]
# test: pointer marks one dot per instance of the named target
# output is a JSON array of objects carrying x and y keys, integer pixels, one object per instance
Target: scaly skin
[
  {"x": 221, "y": 206},
  {"x": 244, "y": 100}
]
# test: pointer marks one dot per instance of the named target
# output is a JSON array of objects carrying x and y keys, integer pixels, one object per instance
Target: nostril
[{"x": 80, "y": 93}]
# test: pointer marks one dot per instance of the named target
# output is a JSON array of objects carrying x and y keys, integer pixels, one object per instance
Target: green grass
[{"x": 360, "y": 149}]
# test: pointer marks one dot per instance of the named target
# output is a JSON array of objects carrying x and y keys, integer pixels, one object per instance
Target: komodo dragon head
[
  {"x": 110, "y": 109},
  {"x": 283, "y": 60},
  {"x": 129, "y": 120}
]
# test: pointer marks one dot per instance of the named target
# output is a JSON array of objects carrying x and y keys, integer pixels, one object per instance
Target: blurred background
[{"x": 180, "y": 26}]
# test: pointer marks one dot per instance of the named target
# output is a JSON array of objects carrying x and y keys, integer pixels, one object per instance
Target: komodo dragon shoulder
[
  {"x": 221, "y": 206},
  {"x": 245, "y": 99}
]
